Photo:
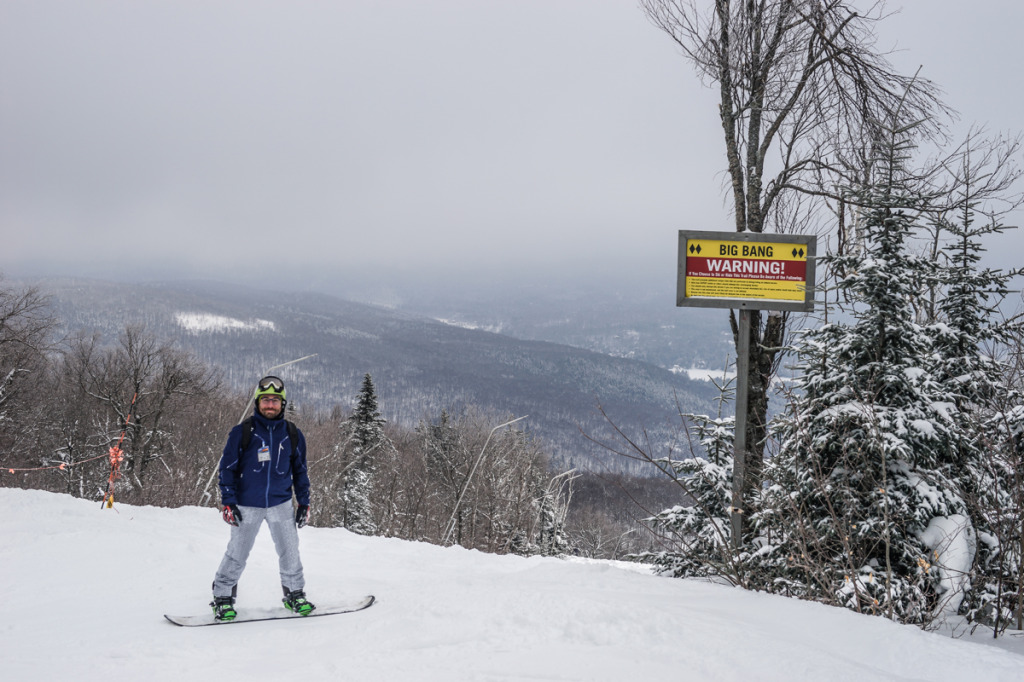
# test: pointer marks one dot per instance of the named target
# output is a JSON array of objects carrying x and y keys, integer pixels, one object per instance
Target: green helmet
[{"x": 271, "y": 386}]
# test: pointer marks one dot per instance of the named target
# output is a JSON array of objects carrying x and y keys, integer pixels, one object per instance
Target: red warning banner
[{"x": 751, "y": 268}]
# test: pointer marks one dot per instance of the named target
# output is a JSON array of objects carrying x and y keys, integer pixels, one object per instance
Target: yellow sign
[{"x": 717, "y": 268}]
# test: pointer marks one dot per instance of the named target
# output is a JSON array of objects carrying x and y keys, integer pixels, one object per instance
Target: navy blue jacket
[{"x": 247, "y": 481}]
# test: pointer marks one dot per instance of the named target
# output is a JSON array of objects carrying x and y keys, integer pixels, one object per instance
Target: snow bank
[{"x": 953, "y": 544}]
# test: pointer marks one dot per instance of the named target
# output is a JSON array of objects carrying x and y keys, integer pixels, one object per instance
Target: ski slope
[{"x": 85, "y": 590}]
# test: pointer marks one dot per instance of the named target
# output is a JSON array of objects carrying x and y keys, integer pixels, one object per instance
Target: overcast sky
[{"x": 303, "y": 140}]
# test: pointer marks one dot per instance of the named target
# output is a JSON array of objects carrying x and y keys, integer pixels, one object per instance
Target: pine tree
[
  {"x": 365, "y": 434},
  {"x": 553, "y": 507},
  {"x": 996, "y": 595},
  {"x": 987, "y": 464},
  {"x": 865, "y": 448},
  {"x": 369, "y": 424},
  {"x": 700, "y": 532},
  {"x": 971, "y": 302}
]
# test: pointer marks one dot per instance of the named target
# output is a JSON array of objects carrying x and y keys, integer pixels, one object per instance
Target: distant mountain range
[
  {"x": 420, "y": 365},
  {"x": 636, "y": 318}
]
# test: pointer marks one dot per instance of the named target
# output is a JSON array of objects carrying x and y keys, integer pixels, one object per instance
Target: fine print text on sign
[{"x": 720, "y": 269}]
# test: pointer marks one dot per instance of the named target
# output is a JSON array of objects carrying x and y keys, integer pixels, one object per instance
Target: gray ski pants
[{"x": 281, "y": 520}]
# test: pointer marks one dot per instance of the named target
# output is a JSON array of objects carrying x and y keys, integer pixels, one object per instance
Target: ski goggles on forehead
[{"x": 271, "y": 384}]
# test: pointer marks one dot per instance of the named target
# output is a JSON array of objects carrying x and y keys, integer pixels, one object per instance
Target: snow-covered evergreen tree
[
  {"x": 969, "y": 309},
  {"x": 699, "y": 533},
  {"x": 986, "y": 466},
  {"x": 865, "y": 448},
  {"x": 553, "y": 509},
  {"x": 996, "y": 595},
  {"x": 367, "y": 441}
]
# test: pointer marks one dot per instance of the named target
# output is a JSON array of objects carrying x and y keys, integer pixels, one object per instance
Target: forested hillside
[{"x": 420, "y": 366}]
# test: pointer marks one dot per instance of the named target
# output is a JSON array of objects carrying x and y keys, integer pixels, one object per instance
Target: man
[{"x": 265, "y": 457}]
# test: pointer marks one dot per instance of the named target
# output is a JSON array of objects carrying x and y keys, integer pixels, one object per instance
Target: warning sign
[{"x": 728, "y": 269}]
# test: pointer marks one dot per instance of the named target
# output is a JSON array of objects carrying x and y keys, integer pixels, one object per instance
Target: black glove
[
  {"x": 230, "y": 514},
  {"x": 301, "y": 515}
]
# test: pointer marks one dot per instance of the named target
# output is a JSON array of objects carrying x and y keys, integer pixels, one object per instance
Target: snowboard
[{"x": 280, "y": 613}]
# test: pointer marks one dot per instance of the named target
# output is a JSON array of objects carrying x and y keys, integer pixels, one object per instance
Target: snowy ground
[{"x": 85, "y": 590}]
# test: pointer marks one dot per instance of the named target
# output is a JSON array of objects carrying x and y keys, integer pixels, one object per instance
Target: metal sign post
[
  {"x": 745, "y": 271},
  {"x": 739, "y": 461}
]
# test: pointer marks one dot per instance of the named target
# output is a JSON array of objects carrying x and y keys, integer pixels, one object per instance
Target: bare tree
[
  {"x": 26, "y": 326},
  {"x": 447, "y": 459},
  {"x": 803, "y": 93},
  {"x": 140, "y": 383}
]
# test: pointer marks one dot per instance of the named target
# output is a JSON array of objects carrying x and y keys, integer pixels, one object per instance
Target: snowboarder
[{"x": 264, "y": 459}]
